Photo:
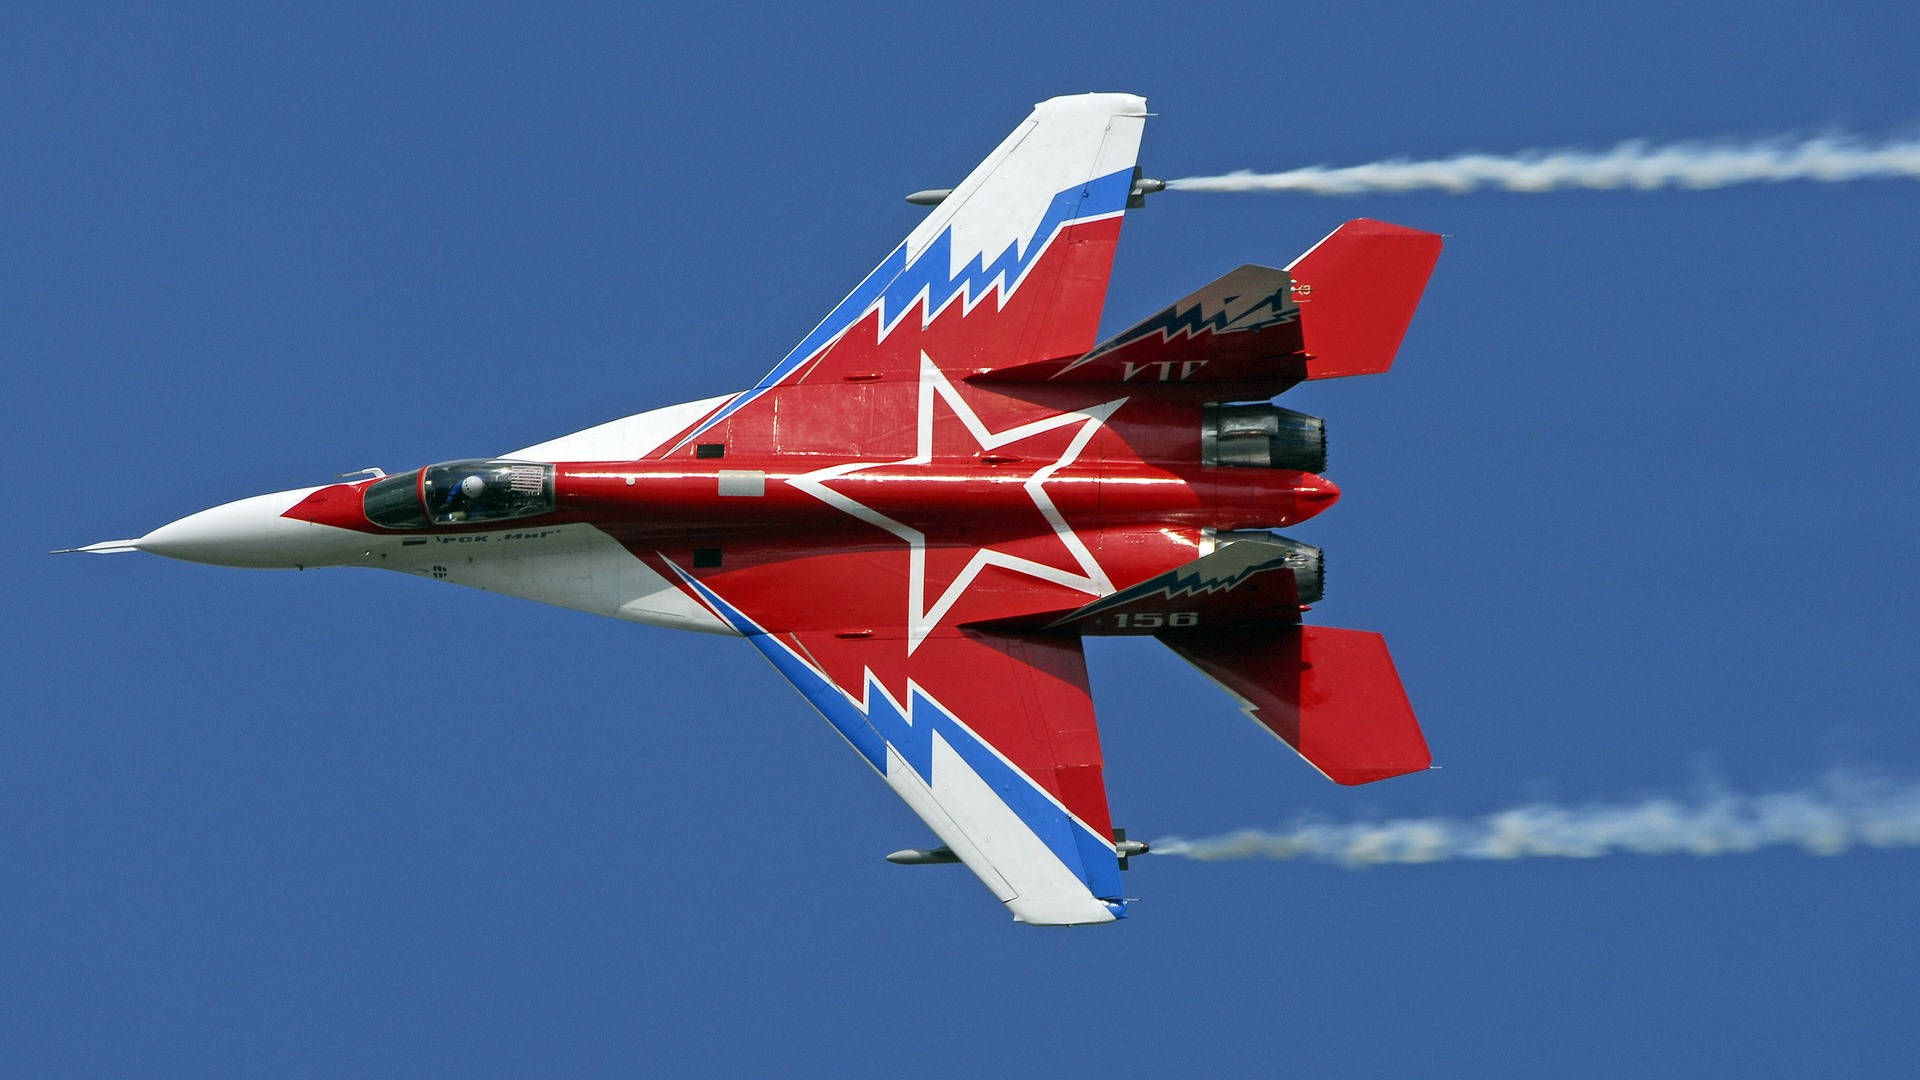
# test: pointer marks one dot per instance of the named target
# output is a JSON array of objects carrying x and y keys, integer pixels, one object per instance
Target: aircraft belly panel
[{"x": 576, "y": 566}]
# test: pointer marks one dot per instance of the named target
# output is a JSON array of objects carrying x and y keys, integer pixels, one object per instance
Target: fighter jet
[{"x": 927, "y": 504}]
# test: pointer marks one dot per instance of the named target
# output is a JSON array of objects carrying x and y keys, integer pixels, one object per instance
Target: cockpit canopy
[{"x": 460, "y": 493}]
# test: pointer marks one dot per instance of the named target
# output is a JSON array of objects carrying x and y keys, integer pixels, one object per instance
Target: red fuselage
[{"x": 640, "y": 499}]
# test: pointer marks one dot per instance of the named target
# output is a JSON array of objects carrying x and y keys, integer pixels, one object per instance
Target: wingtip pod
[
  {"x": 1357, "y": 291},
  {"x": 1333, "y": 695}
]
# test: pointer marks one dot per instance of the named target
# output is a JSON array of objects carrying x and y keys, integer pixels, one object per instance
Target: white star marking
[{"x": 921, "y": 619}]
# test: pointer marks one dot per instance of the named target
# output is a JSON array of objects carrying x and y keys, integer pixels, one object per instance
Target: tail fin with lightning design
[
  {"x": 1340, "y": 309},
  {"x": 1333, "y": 695}
]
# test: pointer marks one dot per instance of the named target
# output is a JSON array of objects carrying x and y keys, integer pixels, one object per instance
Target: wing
[
  {"x": 988, "y": 736},
  {"x": 1010, "y": 268}
]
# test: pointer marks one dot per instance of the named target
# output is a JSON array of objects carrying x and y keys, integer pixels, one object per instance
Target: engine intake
[
  {"x": 1262, "y": 436},
  {"x": 1308, "y": 563}
]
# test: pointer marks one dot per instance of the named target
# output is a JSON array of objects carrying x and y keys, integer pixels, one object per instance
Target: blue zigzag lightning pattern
[
  {"x": 910, "y": 732},
  {"x": 896, "y": 285}
]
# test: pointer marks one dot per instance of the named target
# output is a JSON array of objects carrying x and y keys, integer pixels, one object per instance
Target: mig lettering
[{"x": 1187, "y": 368}]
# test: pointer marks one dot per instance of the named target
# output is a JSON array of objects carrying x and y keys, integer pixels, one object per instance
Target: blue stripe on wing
[
  {"x": 881, "y": 722},
  {"x": 895, "y": 284}
]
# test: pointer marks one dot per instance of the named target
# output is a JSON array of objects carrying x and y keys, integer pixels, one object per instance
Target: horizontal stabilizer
[
  {"x": 1333, "y": 695},
  {"x": 1340, "y": 309},
  {"x": 1357, "y": 291}
]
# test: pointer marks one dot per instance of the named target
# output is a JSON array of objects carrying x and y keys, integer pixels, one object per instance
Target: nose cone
[
  {"x": 1312, "y": 494},
  {"x": 248, "y": 532}
]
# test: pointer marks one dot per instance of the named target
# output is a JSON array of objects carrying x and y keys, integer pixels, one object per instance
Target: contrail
[
  {"x": 1826, "y": 159},
  {"x": 1842, "y": 814}
]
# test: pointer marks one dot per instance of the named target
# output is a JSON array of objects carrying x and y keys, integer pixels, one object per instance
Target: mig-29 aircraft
[{"x": 923, "y": 508}]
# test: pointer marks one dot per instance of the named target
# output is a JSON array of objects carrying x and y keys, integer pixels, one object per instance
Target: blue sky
[{"x": 1634, "y": 510}]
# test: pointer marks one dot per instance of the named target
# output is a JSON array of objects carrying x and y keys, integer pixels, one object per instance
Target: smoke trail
[
  {"x": 1844, "y": 813},
  {"x": 1826, "y": 159}
]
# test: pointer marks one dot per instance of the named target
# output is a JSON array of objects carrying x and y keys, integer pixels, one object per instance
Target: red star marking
[{"x": 1084, "y": 574}]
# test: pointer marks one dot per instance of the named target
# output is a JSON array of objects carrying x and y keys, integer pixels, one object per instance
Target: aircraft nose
[
  {"x": 246, "y": 532},
  {"x": 1313, "y": 493}
]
